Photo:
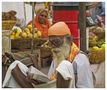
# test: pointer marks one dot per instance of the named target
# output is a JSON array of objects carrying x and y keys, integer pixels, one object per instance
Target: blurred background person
[{"x": 41, "y": 22}]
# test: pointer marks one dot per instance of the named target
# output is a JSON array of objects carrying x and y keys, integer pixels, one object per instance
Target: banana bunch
[
  {"x": 15, "y": 33},
  {"x": 100, "y": 42},
  {"x": 97, "y": 54},
  {"x": 96, "y": 45},
  {"x": 92, "y": 39}
]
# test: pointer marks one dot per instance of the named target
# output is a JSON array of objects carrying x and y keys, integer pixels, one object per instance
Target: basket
[
  {"x": 21, "y": 43},
  {"x": 8, "y": 24},
  {"x": 25, "y": 43}
]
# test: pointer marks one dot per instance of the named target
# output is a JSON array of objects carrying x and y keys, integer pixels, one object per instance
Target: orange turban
[{"x": 59, "y": 28}]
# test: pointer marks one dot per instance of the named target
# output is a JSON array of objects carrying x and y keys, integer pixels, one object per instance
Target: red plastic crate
[
  {"x": 65, "y": 15},
  {"x": 70, "y": 17}
]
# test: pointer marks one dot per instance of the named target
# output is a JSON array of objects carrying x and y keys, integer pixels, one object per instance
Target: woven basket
[
  {"x": 25, "y": 43},
  {"x": 20, "y": 44},
  {"x": 8, "y": 24}
]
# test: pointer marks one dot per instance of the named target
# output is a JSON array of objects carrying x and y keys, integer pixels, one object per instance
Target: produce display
[
  {"x": 92, "y": 39},
  {"x": 17, "y": 32},
  {"x": 96, "y": 44}
]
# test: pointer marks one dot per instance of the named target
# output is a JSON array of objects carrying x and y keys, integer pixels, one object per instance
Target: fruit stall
[
  {"x": 21, "y": 39},
  {"x": 96, "y": 44},
  {"x": 96, "y": 53},
  {"x": 24, "y": 44}
]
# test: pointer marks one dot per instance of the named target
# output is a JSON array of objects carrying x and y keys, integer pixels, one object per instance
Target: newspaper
[{"x": 38, "y": 75}]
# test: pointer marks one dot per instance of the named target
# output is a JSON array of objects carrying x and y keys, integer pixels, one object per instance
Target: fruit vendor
[
  {"x": 41, "y": 22},
  {"x": 63, "y": 48}
]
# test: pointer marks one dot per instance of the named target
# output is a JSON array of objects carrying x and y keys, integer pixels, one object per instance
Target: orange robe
[{"x": 42, "y": 27}]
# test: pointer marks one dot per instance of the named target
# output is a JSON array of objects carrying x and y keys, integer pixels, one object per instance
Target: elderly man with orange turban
[{"x": 65, "y": 54}]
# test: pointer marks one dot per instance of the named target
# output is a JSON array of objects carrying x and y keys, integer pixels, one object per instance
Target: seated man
[
  {"x": 19, "y": 75},
  {"x": 60, "y": 40}
]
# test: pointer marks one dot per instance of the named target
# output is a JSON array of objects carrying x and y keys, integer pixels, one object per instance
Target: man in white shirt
[{"x": 64, "y": 48}]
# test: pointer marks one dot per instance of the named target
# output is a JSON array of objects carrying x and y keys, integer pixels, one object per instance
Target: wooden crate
[{"x": 21, "y": 43}]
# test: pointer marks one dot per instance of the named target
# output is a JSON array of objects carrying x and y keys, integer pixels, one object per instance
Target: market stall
[{"x": 24, "y": 42}]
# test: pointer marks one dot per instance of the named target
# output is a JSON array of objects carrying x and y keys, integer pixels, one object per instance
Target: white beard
[
  {"x": 65, "y": 50},
  {"x": 60, "y": 54}
]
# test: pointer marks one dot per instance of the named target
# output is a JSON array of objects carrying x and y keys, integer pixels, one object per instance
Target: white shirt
[
  {"x": 82, "y": 68},
  {"x": 65, "y": 68}
]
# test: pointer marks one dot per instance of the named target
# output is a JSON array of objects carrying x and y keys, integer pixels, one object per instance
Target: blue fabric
[{"x": 102, "y": 9}]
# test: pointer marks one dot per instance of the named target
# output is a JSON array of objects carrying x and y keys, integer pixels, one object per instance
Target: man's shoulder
[
  {"x": 81, "y": 54},
  {"x": 81, "y": 57}
]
